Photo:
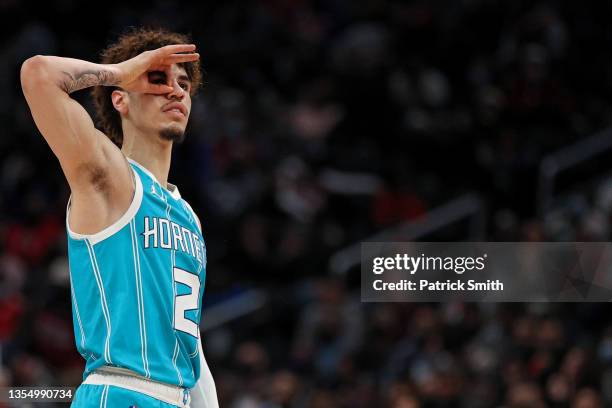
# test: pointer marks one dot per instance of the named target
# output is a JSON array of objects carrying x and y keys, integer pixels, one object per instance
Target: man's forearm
[
  {"x": 68, "y": 74},
  {"x": 204, "y": 393}
]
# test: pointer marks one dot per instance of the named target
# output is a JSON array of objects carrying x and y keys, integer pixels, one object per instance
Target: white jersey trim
[
  {"x": 117, "y": 225},
  {"x": 172, "y": 189}
]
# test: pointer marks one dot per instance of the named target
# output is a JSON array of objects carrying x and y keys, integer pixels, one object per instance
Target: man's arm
[
  {"x": 204, "y": 393},
  {"x": 66, "y": 126}
]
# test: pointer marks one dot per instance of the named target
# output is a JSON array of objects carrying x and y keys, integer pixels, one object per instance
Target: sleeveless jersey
[{"x": 137, "y": 286}]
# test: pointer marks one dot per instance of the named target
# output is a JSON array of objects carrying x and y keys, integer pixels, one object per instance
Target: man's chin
[{"x": 172, "y": 134}]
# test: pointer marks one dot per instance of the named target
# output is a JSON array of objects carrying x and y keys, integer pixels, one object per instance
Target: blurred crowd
[{"x": 319, "y": 124}]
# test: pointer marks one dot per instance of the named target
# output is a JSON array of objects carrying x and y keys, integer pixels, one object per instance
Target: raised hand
[{"x": 132, "y": 74}]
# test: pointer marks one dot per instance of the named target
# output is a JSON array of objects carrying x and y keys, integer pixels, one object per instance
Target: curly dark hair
[{"x": 129, "y": 45}]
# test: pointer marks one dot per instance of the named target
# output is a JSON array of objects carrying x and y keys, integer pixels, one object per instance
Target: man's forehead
[{"x": 177, "y": 69}]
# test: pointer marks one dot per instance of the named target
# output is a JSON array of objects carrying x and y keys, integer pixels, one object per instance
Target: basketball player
[{"x": 136, "y": 253}]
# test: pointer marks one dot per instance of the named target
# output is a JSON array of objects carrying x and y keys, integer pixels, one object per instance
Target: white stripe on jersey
[
  {"x": 140, "y": 298},
  {"x": 78, "y": 316},
  {"x": 104, "y": 397},
  {"x": 105, "y": 312},
  {"x": 172, "y": 261}
]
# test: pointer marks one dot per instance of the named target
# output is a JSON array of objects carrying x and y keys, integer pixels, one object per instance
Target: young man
[{"x": 136, "y": 253}]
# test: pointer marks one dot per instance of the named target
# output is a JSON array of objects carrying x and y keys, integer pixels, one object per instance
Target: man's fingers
[
  {"x": 176, "y": 48},
  {"x": 178, "y": 58},
  {"x": 158, "y": 89},
  {"x": 166, "y": 62}
]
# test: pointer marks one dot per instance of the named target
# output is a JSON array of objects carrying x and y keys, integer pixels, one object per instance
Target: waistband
[{"x": 127, "y": 379}]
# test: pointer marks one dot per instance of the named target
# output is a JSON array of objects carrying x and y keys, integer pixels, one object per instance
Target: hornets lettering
[{"x": 166, "y": 234}]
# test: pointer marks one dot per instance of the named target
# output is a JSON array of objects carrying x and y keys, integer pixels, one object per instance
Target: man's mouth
[
  {"x": 176, "y": 107},
  {"x": 176, "y": 111}
]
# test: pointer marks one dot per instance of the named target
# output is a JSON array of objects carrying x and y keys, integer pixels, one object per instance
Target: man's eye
[
  {"x": 185, "y": 86},
  {"x": 157, "y": 77}
]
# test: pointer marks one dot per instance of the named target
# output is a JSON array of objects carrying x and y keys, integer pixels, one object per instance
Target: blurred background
[{"x": 323, "y": 124}]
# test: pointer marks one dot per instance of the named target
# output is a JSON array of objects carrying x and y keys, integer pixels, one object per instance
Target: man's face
[{"x": 164, "y": 115}]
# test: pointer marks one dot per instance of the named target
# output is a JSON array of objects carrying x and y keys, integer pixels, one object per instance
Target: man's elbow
[{"x": 33, "y": 73}]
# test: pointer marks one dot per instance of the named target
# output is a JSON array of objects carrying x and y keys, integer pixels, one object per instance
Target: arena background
[{"x": 323, "y": 124}]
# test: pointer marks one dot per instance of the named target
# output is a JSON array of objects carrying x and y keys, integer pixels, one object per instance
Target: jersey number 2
[{"x": 183, "y": 303}]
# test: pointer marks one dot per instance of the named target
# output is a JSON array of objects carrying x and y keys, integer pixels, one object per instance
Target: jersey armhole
[{"x": 117, "y": 225}]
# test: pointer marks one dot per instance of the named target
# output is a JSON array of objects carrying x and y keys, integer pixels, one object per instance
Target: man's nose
[{"x": 177, "y": 91}]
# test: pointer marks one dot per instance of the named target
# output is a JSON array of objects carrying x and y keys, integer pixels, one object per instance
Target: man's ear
[{"x": 120, "y": 101}]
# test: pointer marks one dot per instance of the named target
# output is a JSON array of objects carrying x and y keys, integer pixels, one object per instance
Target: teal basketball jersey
[{"x": 137, "y": 286}]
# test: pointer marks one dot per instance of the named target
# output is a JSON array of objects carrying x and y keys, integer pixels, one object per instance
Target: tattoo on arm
[{"x": 76, "y": 81}]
